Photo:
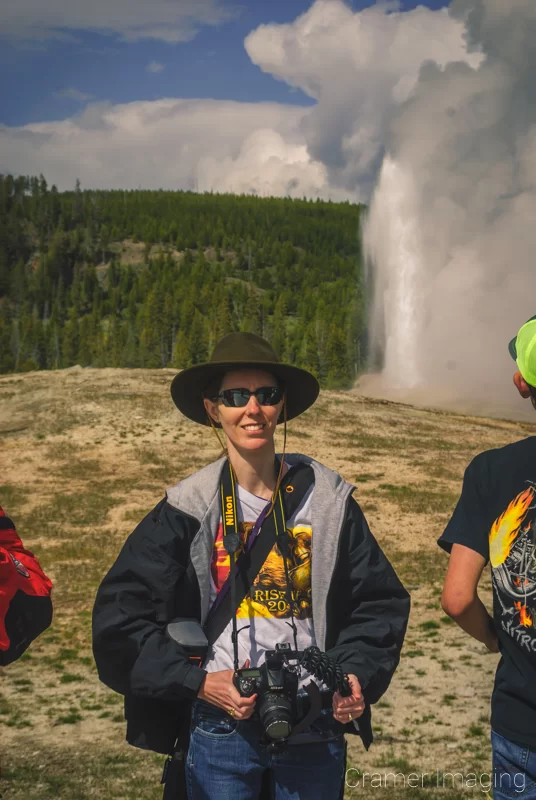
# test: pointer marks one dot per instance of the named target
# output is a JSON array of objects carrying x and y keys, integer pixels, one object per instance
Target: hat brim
[{"x": 301, "y": 387}]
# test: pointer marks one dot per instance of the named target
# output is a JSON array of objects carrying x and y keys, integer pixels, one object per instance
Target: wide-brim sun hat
[
  {"x": 522, "y": 348},
  {"x": 242, "y": 351}
]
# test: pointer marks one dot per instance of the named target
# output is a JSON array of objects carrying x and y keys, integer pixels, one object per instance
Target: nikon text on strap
[{"x": 262, "y": 538}]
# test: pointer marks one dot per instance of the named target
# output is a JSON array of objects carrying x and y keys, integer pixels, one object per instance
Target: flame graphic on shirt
[
  {"x": 505, "y": 529},
  {"x": 525, "y": 617}
]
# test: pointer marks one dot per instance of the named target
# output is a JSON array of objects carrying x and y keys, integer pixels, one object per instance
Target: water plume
[{"x": 451, "y": 234}]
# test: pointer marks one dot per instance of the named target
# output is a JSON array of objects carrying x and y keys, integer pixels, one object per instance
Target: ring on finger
[{"x": 232, "y": 711}]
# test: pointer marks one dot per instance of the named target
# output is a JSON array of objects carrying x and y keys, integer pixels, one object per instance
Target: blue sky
[{"x": 46, "y": 75}]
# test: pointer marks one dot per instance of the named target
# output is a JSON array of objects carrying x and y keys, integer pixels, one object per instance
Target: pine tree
[
  {"x": 151, "y": 332},
  {"x": 252, "y": 319},
  {"x": 131, "y": 350},
  {"x": 19, "y": 283},
  {"x": 86, "y": 335},
  {"x": 15, "y": 343},
  {"x": 278, "y": 337},
  {"x": 115, "y": 341},
  {"x": 310, "y": 356},
  {"x": 7, "y": 362},
  {"x": 53, "y": 344},
  {"x": 4, "y": 272},
  {"x": 70, "y": 340},
  {"x": 223, "y": 320},
  {"x": 39, "y": 345},
  {"x": 337, "y": 357},
  {"x": 181, "y": 357},
  {"x": 197, "y": 340}
]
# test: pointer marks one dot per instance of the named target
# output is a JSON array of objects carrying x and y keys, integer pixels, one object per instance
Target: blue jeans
[
  {"x": 514, "y": 770},
  {"x": 226, "y": 761}
]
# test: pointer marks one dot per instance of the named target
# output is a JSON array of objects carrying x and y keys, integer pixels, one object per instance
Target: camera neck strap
[{"x": 269, "y": 529}]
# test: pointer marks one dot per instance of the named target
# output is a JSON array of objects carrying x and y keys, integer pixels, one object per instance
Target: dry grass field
[{"x": 87, "y": 453}]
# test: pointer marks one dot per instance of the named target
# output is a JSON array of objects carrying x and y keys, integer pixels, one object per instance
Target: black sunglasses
[{"x": 238, "y": 398}]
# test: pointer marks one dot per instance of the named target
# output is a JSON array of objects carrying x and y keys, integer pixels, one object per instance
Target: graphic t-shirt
[
  {"x": 263, "y": 618},
  {"x": 496, "y": 517}
]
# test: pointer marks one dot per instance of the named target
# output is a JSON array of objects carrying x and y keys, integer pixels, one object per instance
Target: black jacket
[{"x": 152, "y": 582}]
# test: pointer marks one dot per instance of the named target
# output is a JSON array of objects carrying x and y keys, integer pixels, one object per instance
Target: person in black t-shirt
[{"x": 495, "y": 521}]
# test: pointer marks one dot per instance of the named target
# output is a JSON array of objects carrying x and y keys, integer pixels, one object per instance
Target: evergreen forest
[{"x": 155, "y": 278}]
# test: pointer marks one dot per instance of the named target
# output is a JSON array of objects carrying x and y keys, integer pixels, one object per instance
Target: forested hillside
[{"x": 154, "y": 278}]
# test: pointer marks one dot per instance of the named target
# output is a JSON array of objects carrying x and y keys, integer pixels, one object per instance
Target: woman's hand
[
  {"x": 346, "y": 709},
  {"x": 218, "y": 689}
]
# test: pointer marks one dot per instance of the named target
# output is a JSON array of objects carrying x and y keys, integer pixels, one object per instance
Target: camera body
[{"x": 276, "y": 685}]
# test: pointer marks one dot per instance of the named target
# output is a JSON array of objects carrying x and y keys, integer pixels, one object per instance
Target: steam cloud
[
  {"x": 451, "y": 233},
  {"x": 359, "y": 67}
]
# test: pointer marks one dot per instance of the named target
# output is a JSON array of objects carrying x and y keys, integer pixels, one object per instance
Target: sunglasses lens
[
  {"x": 235, "y": 398},
  {"x": 269, "y": 395}
]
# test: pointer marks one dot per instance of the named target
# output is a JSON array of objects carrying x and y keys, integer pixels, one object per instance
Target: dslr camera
[{"x": 276, "y": 684}]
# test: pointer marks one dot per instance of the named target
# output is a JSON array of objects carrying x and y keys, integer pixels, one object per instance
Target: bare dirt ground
[{"x": 87, "y": 453}]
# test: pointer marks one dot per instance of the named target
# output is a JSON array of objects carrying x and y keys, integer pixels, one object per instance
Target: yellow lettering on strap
[{"x": 229, "y": 514}]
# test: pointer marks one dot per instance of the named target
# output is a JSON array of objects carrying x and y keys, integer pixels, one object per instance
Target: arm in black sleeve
[
  {"x": 134, "y": 604},
  {"x": 471, "y": 520},
  {"x": 371, "y": 608}
]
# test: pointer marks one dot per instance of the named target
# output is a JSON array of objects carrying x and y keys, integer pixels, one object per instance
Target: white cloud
[
  {"x": 74, "y": 94},
  {"x": 204, "y": 144},
  {"x": 167, "y": 20},
  {"x": 154, "y": 67},
  {"x": 267, "y": 164}
]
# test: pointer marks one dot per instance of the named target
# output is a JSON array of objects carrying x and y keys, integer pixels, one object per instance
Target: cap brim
[{"x": 301, "y": 387}]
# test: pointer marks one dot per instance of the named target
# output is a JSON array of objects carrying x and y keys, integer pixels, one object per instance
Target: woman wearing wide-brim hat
[{"x": 326, "y": 583}]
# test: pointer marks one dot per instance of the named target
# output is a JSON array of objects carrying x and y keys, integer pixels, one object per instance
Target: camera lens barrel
[{"x": 275, "y": 712}]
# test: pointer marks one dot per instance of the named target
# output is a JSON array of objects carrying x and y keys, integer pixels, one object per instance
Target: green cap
[{"x": 523, "y": 350}]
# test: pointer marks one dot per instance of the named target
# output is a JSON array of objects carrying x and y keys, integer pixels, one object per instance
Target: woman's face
[{"x": 252, "y": 426}]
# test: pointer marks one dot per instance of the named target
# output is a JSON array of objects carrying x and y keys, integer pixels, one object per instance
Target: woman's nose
[{"x": 253, "y": 404}]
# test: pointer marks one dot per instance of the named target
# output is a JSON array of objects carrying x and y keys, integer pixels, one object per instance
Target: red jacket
[{"x": 25, "y": 604}]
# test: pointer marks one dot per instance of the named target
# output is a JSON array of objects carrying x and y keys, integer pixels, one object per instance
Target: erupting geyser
[
  {"x": 393, "y": 245},
  {"x": 451, "y": 239}
]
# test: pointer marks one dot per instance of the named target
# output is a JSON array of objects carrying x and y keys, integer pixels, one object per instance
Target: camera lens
[{"x": 276, "y": 716}]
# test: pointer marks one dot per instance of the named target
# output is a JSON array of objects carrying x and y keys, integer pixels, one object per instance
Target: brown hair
[{"x": 213, "y": 386}]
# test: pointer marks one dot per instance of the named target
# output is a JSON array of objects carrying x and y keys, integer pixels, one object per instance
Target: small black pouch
[{"x": 190, "y": 635}]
